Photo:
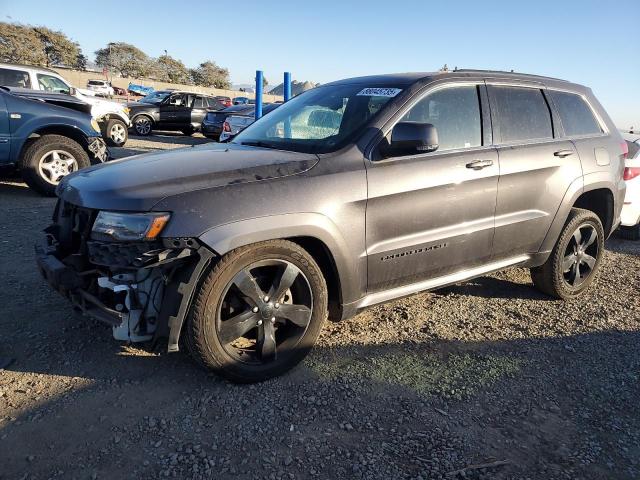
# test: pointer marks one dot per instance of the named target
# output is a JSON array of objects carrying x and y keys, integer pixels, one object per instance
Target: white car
[
  {"x": 100, "y": 87},
  {"x": 113, "y": 117},
  {"x": 630, "y": 216}
]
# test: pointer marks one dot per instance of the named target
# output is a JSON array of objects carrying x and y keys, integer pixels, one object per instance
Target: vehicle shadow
[
  {"x": 409, "y": 409},
  {"x": 492, "y": 287},
  {"x": 172, "y": 137},
  {"x": 15, "y": 187}
]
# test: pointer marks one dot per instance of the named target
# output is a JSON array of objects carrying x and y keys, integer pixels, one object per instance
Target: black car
[
  {"x": 213, "y": 121},
  {"x": 171, "y": 110}
]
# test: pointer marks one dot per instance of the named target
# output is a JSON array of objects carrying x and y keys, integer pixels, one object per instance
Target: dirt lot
[{"x": 484, "y": 372}]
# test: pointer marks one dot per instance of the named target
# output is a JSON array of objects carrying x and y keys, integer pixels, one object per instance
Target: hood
[
  {"x": 84, "y": 91},
  {"x": 138, "y": 183}
]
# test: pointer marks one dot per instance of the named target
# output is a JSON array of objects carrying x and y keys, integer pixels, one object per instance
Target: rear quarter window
[
  {"x": 576, "y": 116},
  {"x": 522, "y": 113}
]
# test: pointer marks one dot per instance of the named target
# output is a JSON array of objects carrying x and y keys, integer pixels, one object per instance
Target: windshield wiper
[{"x": 259, "y": 143}]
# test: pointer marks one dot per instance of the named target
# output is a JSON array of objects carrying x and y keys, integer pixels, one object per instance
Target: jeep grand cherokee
[{"x": 354, "y": 193}]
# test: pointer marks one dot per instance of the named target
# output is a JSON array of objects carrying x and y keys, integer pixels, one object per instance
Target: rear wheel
[
  {"x": 258, "y": 312},
  {"x": 188, "y": 131},
  {"x": 116, "y": 133},
  {"x": 49, "y": 159},
  {"x": 143, "y": 125},
  {"x": 575, "y": 259}
]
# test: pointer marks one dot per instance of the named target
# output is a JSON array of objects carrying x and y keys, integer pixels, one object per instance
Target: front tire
[
  {"x": 575, "y": 259},
  {"x": 143, "y": 125},
  {"x": 258, "y": 312},
  {"x": 49, "y": 159},
  {"x": 116, "y": 133}
]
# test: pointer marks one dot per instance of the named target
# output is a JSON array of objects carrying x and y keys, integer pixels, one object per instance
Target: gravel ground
[{"x": 486, "y": 372}]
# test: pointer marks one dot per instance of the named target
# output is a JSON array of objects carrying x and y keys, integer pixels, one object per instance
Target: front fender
[{"x": 351, "y": 268}]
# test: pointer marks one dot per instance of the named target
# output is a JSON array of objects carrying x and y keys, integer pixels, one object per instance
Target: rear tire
[
  {"x": 630, "y": 233},
  {"x": 234, "y": 355},
  {"x": 188, "y": 131},
  {"x": 115, "y": 133},
  {"x": 575, "y": 259},
  {"x": 48, "y": 159}
]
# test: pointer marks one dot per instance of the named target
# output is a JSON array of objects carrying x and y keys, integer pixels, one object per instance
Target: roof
[
  {"x": 24, "y": 65},
  {"x": 405, "y": 79}
]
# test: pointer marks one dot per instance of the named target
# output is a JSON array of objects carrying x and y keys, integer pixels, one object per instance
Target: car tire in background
[
  {"x": 115, "y": 132},
  {"x": 188, "y": 131},
  {"x": 630, "y": 233},
  {"x": 142, "y": 125},
  {"x": 575, "y": 259},
  {"x": 258, "y": 312},
  {"x": 48, "y": 159}
]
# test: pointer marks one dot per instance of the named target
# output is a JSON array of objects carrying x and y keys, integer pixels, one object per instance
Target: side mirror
[
  {"x": 408, "y": 138},
  {"x": 72, "y": 91}
]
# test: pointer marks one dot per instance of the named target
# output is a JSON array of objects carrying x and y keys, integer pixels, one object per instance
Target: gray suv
[{"x": 352, "y": 194}]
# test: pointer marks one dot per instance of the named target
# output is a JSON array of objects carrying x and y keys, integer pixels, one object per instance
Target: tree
[
  {"x": 20, "y": 44},
  {"x": 265, "y": 82},
  {"x": 174, "y": 70},
  {"x": 81, "y": 62},
  {"x": 58, "y": 48},
  {"x": 127, "y": 60},
  {"x": 208, "y": 74}
]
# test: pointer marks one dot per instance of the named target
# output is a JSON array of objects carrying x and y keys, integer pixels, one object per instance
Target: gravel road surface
[{"x": 487, "y": 379}]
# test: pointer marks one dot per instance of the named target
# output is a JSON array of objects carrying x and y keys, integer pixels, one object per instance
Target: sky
[{"x": 590, "y": 42}]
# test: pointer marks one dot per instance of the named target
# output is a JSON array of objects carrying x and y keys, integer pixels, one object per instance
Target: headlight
[
  {"x": 128, "y": 226},
  {"x": 95, "y": 125}
]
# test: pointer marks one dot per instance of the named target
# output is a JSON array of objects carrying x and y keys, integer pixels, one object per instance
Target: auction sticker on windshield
[{"x": 380, "y": 92}]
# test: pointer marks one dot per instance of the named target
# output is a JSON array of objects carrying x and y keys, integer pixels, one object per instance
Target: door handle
[
  {"x": 563, "y": 153},
  {"x": 479, "y": 164}
]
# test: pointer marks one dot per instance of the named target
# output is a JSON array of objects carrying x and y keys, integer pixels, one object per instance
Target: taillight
[
  {"x": 226, "y": 127},
  {"x": 625, "y": 149},
  {"x": 631, "y": 172}
]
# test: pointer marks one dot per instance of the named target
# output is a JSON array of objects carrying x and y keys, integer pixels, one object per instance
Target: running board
[{"x": 398, "y": 292}]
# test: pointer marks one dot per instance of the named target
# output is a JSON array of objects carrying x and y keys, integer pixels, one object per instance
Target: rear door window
[
  {"x": 576, "y": 116},
  {"x": 522, "y": 113},
  {"x": 198, "y": 102},
  {"x": 14, "y": 78},
  {"x": 455, "y": 112}
]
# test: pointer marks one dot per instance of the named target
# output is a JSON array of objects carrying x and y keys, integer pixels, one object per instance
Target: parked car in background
[
  {"x": 45, "y": 139},
  {"x": 352, "y": 194},
  {"x": 213, "y": 122},
  {"x": 630, "y": 216},
  {"x": 242, "y": 101},
  {"x": 224, "y": 101},
  {"x": 234, "y": 124},
  {"x": 112, "y": 117},
  {"x": 101, "y": 87},
  {"x": 171, "y": 110}
]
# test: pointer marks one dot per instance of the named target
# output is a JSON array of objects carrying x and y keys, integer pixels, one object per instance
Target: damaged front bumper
[
  {"x": 98, "y": 149},
  {"x": 141, "y": 289}
]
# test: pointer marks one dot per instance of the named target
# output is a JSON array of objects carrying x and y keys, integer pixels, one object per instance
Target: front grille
[{"x": 74, "y": 226}]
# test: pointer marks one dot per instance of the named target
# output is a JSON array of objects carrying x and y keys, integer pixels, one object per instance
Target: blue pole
[
  {"x": 287, "y": 86},
  {"x": 287, "y": 97},
  {"x": 259, "y": 80}
]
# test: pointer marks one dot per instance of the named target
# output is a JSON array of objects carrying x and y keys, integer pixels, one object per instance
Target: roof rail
[{"x": 504, "y": 72}]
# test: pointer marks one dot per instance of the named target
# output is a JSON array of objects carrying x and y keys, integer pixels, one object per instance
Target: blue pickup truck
[{"x": 47, "y": 136}]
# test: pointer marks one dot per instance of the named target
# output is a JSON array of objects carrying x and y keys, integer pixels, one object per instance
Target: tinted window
[
  {"x": 575, "y": 115},
  {"x": 455, "y": 112},
  {"x": 14, "y": 78},
  {"x": 523, "y": 114}
]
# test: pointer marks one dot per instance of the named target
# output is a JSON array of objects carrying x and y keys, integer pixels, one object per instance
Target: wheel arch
[
  {"x": 64, "y": 130},
  {"x": 315, "y": 233}
]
